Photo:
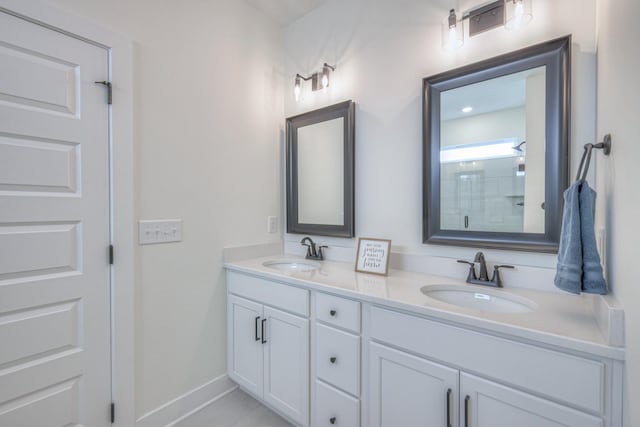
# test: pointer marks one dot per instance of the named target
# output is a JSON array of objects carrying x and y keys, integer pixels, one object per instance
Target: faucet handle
[
  {"x": 496, "y": 274},
  {"x": 472, "y": 269},
  {"x": 320, "y": 253}
]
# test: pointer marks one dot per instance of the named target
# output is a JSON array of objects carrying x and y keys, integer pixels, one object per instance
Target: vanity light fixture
[
  {"x": 467, "y": 109},
  {"x": 297, "y": 87},
  {"x": 452, "y": 31},
  {"x": 518, "y": 14},
  {"x": 319, "y": 80},
  {"x": 510, "y": 14}
]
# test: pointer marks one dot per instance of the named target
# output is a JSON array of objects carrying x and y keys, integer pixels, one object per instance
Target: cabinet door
[
  {"x": 245, "y": 348},
  {"x": 487, "y": 404},
  {"x": 286, "y": 364},
  {"x": 409, "y": 391}
]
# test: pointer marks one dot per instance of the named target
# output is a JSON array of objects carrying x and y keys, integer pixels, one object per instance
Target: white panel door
[
  {"x": 487, "y": 404},
  {"x": 409, "y": 391},
  {"x": 286, "y": 364},
  {"x": 245, "y": 347},
  {"x": 54, "y": 229}
]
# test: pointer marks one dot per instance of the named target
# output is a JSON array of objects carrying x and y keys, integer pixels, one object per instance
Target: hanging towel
[{"x": 579, "y": 268}]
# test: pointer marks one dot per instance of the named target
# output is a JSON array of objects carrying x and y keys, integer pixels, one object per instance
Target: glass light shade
[
  {"x": 297, "y": 89},
  {"x": 452, "y": 32},
  {"x": 518, "y": 13}
]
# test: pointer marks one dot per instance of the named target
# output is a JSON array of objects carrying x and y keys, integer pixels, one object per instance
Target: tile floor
[{"x": 236, "y": 409}]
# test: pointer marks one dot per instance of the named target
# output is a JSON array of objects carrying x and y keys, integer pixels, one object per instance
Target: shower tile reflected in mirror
[{"x": 492, "y": 154}]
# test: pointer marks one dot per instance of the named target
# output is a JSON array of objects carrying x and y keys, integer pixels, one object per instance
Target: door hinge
[
  {"x": 110, "y": 254},
  {"x": 113, "y": 412},
  {"x": 109, "y": 90}
]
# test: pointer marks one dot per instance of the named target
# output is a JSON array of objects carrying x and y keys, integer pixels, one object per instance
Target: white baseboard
[{"x": 178, "y": 409}]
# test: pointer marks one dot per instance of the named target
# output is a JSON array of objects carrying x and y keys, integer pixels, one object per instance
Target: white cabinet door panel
[
  {"x": 494, "y": 405},
  {"x": 245, "y": 343},
  {"x": 286, "y": 364},
  {"x": 408, "y": 391}
]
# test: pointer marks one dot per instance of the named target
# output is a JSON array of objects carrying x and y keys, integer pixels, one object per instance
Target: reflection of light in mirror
[
  {"x": 467, "y": 109},
  {"x": 484, "y": 150}
]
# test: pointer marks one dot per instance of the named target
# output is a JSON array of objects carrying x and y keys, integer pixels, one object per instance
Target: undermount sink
[
  {"x": 291, "y": 265},
  {"x": 492, "y": 300}
]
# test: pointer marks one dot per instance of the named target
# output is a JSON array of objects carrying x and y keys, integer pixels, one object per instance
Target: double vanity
[{"x": 325, "y": 346}]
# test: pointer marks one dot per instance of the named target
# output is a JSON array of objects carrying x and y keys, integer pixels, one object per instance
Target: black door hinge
[
  {"x": 109, "y": 90},
  {"x": 110, "y": 254},
  {"x": 113, "y": 412}
]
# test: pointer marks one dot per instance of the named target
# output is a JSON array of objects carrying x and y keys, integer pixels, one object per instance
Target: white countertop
[{"x": 562, "y": 320}]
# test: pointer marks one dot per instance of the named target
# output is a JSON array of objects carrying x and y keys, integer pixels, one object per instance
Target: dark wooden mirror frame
[
  {"x": 346, "y": 110},
  {"x": 556, "y": 56}
]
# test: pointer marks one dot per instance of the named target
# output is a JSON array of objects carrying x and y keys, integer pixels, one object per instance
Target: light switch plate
[
  {"x": 159, "y": 231},
  {"x": 272, "y": 224}
]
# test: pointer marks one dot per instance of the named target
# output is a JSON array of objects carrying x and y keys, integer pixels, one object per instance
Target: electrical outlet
[
  {"x": 272, "y": 224},
  {"x": 159, "y": 231}
]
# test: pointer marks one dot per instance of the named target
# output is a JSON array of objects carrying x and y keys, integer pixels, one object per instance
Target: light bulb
[
  {"x": 453, "y": 37},
  {"x": 519, "y": 14},
  {"x": 325, "y": 80},
  {"x": 296, "y": 89},
  {"x": 452, "y": 31}
]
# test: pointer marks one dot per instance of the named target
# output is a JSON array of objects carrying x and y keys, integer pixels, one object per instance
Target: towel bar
[{"x": 605, "y": 146}]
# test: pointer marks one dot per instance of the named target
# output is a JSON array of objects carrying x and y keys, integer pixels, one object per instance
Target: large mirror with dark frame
[
  {"x": 320, "y": 171},
  {"x": 496, "y": 141}
]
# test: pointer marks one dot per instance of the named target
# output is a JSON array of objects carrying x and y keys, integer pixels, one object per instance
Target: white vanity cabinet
[
  {"x": 416, "y": 364},
  {"x": 335, "y": 361},
  {"x": 325, "y": 356},
  {"x": 411, "y": 391},
  {"x": 405, "y": 390},
  {"x": 268, "y": 343},
  {"x": 488, "y": 404}
]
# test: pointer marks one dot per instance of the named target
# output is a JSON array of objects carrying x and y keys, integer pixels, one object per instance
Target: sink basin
[
  {"x": 492, "y": 300},
  {"x": 291, "y": 265}
]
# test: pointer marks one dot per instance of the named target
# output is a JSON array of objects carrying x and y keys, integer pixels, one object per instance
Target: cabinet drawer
[
  {"x": 335, "y": 408},
  {"x": 559, "y": 376},
  {"x": 338, "y": 358},
  {"x": 279, "y": 295},
  {"x": 337, "y": 311}
]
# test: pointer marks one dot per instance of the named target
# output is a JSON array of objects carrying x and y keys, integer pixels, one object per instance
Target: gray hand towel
[{"x": 579, "y": 268}]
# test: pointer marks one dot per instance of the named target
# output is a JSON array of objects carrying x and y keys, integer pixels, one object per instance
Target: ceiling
[
  {"x": 285, "y": 12},
  {"x": 487, "y": 96}
]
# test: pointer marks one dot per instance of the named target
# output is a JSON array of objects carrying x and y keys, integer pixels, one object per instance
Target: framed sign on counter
[{"x": 373, "y": 256}]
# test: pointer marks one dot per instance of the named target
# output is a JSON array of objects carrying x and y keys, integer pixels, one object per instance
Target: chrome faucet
[
  {"x": 483, "y": 277},
  {"x": 313, "y": 250}
]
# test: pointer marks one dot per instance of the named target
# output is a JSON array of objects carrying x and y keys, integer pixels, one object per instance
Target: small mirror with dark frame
[
  {"x": 320, "y": 171},
  {"x": 496, "y": 143}
]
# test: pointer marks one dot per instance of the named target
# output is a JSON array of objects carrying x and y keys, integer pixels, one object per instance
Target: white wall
[
  {"x": 383, "y": 50},
  {"x": 208, "y": 134},
  {"x": 509, "y": 123},
  {"x": 535, "y": 148},
  {"x": 618, "y": 193}
]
